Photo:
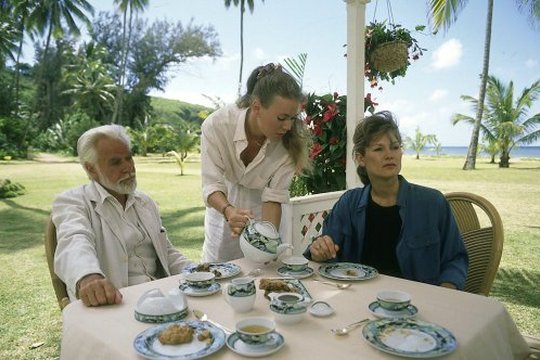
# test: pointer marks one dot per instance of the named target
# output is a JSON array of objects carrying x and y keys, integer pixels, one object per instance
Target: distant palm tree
[
  {"x": 506, "y": 121},
  {"x": 251, "y": 6},
  {"x": 419, "y": 142},
  {"x": 125, "y": 6}
]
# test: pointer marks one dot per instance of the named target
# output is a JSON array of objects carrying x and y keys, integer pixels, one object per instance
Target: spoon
[
  {"x": 339, "y": 286},
  {"x": 345, "y": 330},
  {"x": 203, "y": 317}
]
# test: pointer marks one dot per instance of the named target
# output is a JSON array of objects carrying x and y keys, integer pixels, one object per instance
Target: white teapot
[{"x": 260, "y": 241}]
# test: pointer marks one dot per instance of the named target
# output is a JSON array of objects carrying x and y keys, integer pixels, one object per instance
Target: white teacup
[
  {"x": 295, "y": 263},
  {"x": 393, "y": 300},
  {"x": 255, "y": 331},
  {"x": 240, "y": 293},
  {"x": 200, "y": 280},
  {"x": 288, "y": 308}
]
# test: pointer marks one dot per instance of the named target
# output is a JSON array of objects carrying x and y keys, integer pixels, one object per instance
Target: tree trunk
[
  {"x": 470, "y": 163},
  {"x": 242, "y": 9},
  {"x": 505, "y": 160}
]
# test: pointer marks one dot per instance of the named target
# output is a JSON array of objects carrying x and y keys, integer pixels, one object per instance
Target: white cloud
[
  {"x": 447, "y": 55},
  {"x": 530, "y": 63},
  {"x": 438, "y": 94}
]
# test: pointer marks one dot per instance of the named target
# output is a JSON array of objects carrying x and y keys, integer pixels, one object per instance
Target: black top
[{"x": 383, "y": 225}]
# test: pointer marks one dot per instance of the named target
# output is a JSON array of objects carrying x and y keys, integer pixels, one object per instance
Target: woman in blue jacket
[{"x": 401, "y": 229}]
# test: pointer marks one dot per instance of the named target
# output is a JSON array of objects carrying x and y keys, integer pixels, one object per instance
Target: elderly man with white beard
[{"x": 109, "y": 234}]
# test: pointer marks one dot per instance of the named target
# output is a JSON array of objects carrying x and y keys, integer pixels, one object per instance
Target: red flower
[
  {"x": 315, "y": 150},
  {"x": 331, "y": 111},
  {"x": 333, "y": 140},
  {"x": 317, "y": 128}
]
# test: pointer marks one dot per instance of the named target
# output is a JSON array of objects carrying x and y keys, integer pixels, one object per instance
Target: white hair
[{"x": 86, "y": 145}]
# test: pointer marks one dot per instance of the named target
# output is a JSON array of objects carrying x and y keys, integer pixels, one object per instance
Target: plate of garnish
[
  {"x": 222, "y": 270},
  {"x": 347, "y": 271}
]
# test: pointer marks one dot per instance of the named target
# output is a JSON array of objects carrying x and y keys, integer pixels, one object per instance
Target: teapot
[
  {"x": 260, "y": 241},
  {"x": 154, "y": 307}
]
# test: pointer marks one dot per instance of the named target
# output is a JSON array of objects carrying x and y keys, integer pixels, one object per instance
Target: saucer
[
  {"x": 274, "y": 343},
  {"x": 376, "y": 309},
  {"x": 192, "y": 291},
  {"x": 321, "y": 309},
  {"x": 307, "y": 272}
]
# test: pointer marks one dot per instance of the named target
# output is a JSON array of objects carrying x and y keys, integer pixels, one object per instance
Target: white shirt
[{"x": 266, "y": 178}]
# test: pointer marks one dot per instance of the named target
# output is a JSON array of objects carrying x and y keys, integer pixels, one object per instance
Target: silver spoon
[
  {"x": 203, "y": 317},
  {"x": 339, "y": 286},
  {"x": 345, "y": 330}
]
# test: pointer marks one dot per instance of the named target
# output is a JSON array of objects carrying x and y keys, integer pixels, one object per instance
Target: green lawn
[{"x": 30, "y": 321}]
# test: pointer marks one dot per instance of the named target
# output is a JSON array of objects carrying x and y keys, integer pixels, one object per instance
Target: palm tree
[
  {"x": 251, "y": 6},
  {"x": 506, "y": 121},
  {"x": 443, "y": 13},
  {"x": 420, "y": 141},
  {"x": 127, "y": 27}
]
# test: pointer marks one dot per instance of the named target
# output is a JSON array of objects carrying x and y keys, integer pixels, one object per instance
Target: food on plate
[
  {"x": 205, "y": 335},
  {"x": 275, "y": 285},
  {"x": 176, "y": 334},
  {"x": 207, "y": 267},
  {"x": 351, "y": 272}
]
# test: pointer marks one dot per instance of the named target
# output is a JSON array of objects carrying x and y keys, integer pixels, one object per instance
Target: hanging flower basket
[
  {"x": 388, "y": 51},
  {"x": 390, "y": 56}
]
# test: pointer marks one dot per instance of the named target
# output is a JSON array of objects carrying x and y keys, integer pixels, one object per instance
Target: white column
[{"x": 356, "y": 25}]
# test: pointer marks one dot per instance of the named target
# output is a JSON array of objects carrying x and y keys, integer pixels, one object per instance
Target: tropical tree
[
  {"x": 491, "y": 148},
  {"x": 506, "y": 121},
  {"x": 443, "y": 13},
  {"x": 125, "y": 6},
  {"x": 242, "y": 5},
  {"x": 419, "y": 142}
]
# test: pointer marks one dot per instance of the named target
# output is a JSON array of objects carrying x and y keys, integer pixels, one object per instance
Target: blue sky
[{"x": 426, "y": 97}]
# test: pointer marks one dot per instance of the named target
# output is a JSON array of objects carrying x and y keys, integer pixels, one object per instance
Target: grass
[{"x": 31, "y": 321}]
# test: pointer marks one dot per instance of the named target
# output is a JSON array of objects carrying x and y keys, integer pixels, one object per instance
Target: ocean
[{"x": 517, "y": 152}]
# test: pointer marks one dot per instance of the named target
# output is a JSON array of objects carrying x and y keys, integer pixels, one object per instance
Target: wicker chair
[
  {"x": 50, "y": 247},
  {"x": 482, "y": 230}
]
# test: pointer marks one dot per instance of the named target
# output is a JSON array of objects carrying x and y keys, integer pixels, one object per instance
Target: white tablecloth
[{"x": 481, "y": 325}]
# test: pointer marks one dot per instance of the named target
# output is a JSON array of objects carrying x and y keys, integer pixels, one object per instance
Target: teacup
[
  {"x": 240, "y": 293},
  {"x": 255, "y": 331},
  {"x": 260, "y": 241},
  {"x": 295, "y": 263},
  {"x": 200, "y": 280},
  {"x": 393, "y": 300},
  {"x": 288, "y": 308}
]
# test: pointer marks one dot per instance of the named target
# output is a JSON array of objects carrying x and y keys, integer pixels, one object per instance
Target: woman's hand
[
  {"x": 237, "y": 219},
  {"x": 323, "y": 248}
]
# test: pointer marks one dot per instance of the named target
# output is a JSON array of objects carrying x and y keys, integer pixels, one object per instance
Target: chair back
[
  {"x": 481, "y": 227},
  {"x": 50, "y": 247}
]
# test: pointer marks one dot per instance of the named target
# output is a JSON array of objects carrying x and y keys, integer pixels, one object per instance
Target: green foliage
[
  {"x": 10, "y": 190},
  {"x": 63, "y": 136},
  {"x": 297, "y": 67},
  {"x": 419, "y": 141}
]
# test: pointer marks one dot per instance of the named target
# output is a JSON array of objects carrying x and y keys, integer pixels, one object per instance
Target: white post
[{"x": 356, "y": 25}]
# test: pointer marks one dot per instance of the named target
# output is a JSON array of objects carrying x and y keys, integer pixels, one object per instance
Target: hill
[{"x": 169, "y": 110}]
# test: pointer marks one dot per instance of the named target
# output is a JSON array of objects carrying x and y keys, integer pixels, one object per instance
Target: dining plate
[
  {"x": 302, "y": 274},
  {"x": 222, "y": 270},
  {"x": 376, "y": 309},
  {"x": 192, "y": 291},
  {"x": 147, "y": 343},
  {"x": 409, "y": 338},
  {"x": 274, "y": 343},
  {"x": 296, "y": 286},
  {"x": 347, "y": 271}
]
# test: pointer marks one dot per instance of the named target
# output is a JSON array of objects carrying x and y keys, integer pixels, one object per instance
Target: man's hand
[
  {"x": 323, "y": 248},
  {"x": 95, "y": 290},
  {"x": 237, "y": 219}
]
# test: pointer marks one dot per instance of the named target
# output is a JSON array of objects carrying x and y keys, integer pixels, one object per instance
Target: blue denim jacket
[{"x": 430, "y": 247}]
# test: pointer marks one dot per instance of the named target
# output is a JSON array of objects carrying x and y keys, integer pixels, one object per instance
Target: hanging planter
[{"x": 388, "y": 51}]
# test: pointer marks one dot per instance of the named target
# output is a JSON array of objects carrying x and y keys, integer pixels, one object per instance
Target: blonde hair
[{"x": 265, "y": 83}]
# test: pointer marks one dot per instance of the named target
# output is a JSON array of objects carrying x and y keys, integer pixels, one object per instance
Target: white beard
[{"x": 123, "y": 186}]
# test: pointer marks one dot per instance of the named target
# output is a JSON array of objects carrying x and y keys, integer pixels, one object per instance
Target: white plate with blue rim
[
  {"x": 274, "y": 343},
  {"x": 376, "y": 309},
  {"x": 302, "y": 274},
  {"x": 222, "y": 270},
  {"x": 194, "y": 291},
  {"x": 409, "y": 338},
  {"x": 147, "y": 343},
  {"x": 347, "y": 271}
]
